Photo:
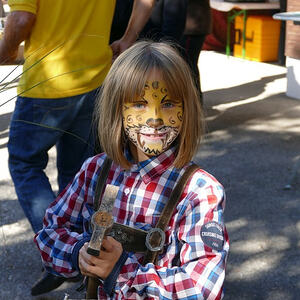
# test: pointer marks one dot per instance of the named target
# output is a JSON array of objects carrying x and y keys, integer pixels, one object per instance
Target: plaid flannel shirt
[{"x": 191, "y": 265}]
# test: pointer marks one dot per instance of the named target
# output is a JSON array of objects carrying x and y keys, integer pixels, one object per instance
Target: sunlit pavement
[{"x": 252, "y": 145}]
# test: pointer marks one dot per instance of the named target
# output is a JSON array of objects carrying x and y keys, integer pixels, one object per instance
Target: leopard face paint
[{"x": 153, "y": 121}]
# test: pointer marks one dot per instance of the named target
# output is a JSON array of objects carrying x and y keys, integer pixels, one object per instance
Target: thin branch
[
  {"x": 58, "y": 129},
  {"x": 41, "y": 82}
]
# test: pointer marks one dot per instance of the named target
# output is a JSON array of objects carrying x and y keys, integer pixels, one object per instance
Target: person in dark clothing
[
  {"x": 121, "y": 17},
  {"x": 166, "y": 23},
  {"x": 198, "y": 25}
]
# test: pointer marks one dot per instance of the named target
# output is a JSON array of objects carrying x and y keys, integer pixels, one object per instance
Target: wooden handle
[{"x": 92, "y": 288}]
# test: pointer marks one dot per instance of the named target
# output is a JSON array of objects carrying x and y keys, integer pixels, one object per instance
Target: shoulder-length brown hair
[{"x": 126, "y": 80}]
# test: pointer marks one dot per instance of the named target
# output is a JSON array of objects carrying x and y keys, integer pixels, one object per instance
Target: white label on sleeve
[{"x": 212, "y": 235}]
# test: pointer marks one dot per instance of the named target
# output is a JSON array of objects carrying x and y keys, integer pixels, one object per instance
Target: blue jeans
[{"x": 36, "y": 126}]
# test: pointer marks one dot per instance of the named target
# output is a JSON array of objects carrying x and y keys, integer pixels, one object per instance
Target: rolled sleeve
[
  {"x": 75, "y": 252},
  {"x": 23, "y": 5}
]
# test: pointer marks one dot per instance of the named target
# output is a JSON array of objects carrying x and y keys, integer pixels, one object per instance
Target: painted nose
[{"x": 155, "y": 123}]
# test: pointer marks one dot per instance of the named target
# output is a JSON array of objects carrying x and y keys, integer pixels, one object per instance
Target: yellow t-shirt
[{"x": 68, "y": 50}]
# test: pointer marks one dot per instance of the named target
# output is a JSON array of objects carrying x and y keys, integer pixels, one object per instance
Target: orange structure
[{"x": 262, "y": 38}]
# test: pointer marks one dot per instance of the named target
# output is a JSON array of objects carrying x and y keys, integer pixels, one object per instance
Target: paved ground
[{"x": 252, "y": 147}]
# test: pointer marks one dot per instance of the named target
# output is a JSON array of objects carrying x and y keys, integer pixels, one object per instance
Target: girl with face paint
[
  {"x": 150, "y": 124},
  {"x": 153, "y": 120}
]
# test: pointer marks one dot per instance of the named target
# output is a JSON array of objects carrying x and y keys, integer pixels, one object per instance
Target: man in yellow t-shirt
[{"x": 67, "y": 56}]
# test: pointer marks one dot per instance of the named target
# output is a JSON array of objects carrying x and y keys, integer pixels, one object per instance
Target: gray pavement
[{"x": 252, "y": 146}]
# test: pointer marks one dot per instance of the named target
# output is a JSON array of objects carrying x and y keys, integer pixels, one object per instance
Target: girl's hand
[{"x": 102, "y": 265}]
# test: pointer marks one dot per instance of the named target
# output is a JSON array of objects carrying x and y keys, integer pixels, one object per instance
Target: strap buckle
[{"x": 149, "y": 236}]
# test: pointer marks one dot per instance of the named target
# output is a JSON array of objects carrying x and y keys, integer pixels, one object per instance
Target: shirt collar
[{"x": 154, "y": 166}]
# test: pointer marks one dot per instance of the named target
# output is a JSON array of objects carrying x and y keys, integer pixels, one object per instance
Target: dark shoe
[{"x": 46, "y": 284}]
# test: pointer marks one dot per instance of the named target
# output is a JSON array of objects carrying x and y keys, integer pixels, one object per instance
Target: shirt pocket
[{"x": 145, "y": 217}]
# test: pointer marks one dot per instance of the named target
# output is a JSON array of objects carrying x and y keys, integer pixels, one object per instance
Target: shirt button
[{"x": 127, "y": 191}]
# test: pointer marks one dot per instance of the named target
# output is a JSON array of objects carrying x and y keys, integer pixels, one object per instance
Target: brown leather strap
[
  {"x": 155, "y": 239},
  {"x": 132, "y": 239},
  {"x": 101, "y": 182}
]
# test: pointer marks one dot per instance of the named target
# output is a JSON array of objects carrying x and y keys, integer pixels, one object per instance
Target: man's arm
[
  {"x": 17, "y": 29},
  {"x": 141, "y": 12}
]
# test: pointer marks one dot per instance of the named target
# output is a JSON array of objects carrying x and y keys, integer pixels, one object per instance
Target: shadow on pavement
[
  {"x": 252, "y": 150},
  {"x": 239, "y": 92},
  {"x": 21, "y": 267}
]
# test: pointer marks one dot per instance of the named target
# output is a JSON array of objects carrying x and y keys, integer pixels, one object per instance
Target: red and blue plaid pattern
[{"x": 187, "y": 269}]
